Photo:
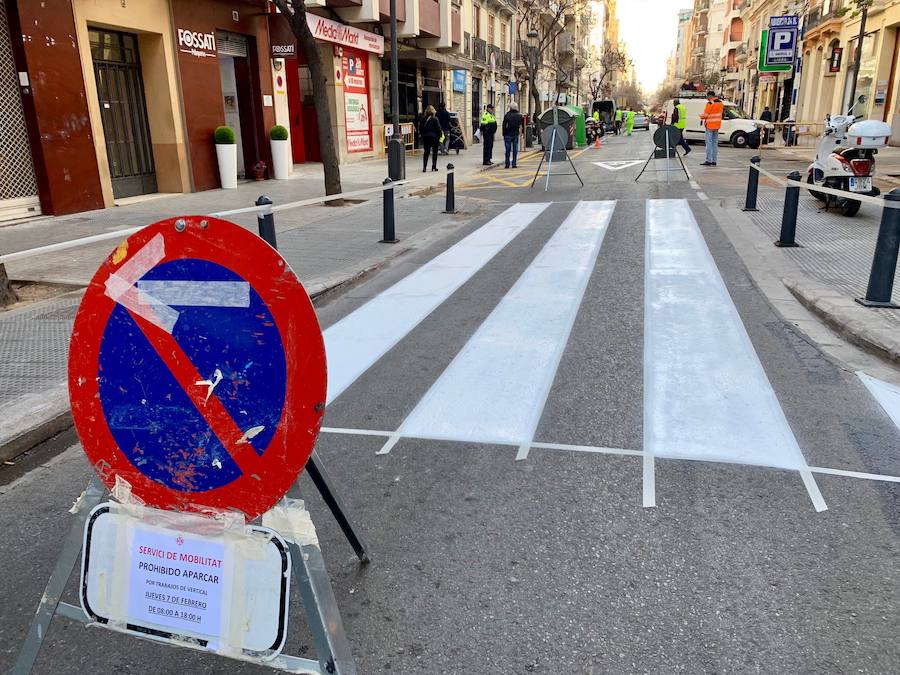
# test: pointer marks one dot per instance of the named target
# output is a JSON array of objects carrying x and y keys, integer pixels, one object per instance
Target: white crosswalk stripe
[{"x": 513, "y": 356}]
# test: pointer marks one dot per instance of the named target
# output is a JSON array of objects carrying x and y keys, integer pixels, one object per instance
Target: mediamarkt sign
[{"x": 348, "y": 36}]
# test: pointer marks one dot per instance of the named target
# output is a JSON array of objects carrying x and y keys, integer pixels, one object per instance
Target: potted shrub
[
  {"x": 259, "y": 170},
  {"x": 226, "y": 154},
  {"x": 281, "y": 152}
]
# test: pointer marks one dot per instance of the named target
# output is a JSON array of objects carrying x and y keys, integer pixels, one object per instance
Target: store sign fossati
[{"x": 196, "y": 44}]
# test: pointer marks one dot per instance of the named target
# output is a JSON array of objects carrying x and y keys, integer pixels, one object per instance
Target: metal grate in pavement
[{"x": 835, "y": 250}]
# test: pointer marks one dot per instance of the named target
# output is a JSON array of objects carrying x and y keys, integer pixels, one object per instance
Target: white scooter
[{"x": 845, "y": 160}]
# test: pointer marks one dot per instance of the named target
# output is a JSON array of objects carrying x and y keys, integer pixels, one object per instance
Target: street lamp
[{"x": 396, "y": 149}]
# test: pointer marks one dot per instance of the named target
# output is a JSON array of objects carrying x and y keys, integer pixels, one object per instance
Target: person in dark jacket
[
  {"x": 512, "y": 124},
  {"x": 443, "y": 116},
  {"x": 766, "y": 116},
  {"x": 430, "y": 132},
  {"x": 488, "y": 128}
]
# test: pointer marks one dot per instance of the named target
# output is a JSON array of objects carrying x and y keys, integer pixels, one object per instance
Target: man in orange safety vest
[{"x": 712, "y": 121}]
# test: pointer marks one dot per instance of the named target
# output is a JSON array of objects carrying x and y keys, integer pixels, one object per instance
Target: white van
[{"x": 737, "y": 127}]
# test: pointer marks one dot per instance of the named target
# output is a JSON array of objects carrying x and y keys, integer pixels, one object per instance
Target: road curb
[{"x": 852, "y": 321}]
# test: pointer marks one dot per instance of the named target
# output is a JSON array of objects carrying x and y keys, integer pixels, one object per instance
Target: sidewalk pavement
[{"x": 326, "y": 246}]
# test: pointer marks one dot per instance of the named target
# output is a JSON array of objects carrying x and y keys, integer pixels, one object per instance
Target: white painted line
[
  {"x": 495, "y": 388},
  {"x": 362, "y": 337},
  {"x": 855, "y": 474},
  {"x": 618, "y": 165},
  {"x": 702, "y": 196},
  {"x": 523, "y": 452},
  {"x": 389, "y": 445},
  {"x": 587, "y": 448},
  {"x": 695, "y": 185},
  {"x": 887, "y": 395},
  {"x": 648, "y": 481},
  {"x": 706, "y": 395},
  {"x": 356, "y": 432}
]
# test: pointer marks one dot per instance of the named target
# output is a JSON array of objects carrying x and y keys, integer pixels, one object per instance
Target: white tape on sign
[{"x": 198, "y": 293}]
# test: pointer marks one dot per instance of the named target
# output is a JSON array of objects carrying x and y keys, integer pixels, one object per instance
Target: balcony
[
  {"x": 702, "y": 7},
  {"x": 740, "y": 53},
  {"x": 479, "y": 53},
  {"x": 505, "y": 62},
  {"x": 565, "y": 44},
  {"x": 467, "y": 45}
]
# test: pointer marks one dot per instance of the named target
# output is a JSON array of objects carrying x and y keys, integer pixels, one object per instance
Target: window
[
  {"x": 503, "y": 36},
  {"x": 490, "y": 29},
  {"x": 476, "y": 28}
]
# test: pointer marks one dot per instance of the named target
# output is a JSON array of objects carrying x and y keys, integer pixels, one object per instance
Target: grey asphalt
[{"x": 484, "y": 564}]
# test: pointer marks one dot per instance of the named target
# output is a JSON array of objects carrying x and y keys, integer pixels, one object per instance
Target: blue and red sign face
[{"x": 197, "y": 368}]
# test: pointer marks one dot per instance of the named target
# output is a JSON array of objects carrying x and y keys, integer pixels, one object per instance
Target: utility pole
[
  {"x": 396, "y": 149},
  {"x": 858, "y": 57}
]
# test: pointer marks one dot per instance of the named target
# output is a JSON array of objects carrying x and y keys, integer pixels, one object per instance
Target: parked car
[
  {"x": 641, "y": 121},
  {"x": 737, "y": 127}
]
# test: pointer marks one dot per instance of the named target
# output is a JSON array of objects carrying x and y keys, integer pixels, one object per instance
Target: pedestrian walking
[
  {"x": 443, "y": 116},
  {"x": 712, "y": 121},
  {"x": 512, "y": 124},
  {"x": 618, "y": 120},
  {"x": 430, "y": 132},
  {"x": 679, "y": 121},
  {"x": 766, "y": 116},
  {"x": 629, "y": 122},
  {"x": 488, "y": 128}
]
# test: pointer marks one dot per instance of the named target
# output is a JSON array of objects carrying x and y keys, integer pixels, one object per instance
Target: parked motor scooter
[{"x": 845, "y": 160}]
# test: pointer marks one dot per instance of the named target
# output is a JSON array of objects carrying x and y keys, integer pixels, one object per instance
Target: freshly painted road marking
[
  {"x": 706, "y": 395},
  {"x": 357, "y": 341},
  {"x": 887, "y": 395},
  {"x": 618, "y": 165},
  {"x": 495, "y": 388}
]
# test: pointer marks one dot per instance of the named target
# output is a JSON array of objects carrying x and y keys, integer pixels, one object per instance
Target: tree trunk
[
  {"x": 295, "y": 10},
  {"x": 7, "y": 294}
]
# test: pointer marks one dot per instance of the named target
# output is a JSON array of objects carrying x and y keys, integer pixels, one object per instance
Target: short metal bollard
[
  {"x": 390, "y": 235},
  {"x": 752, "y": 186},
  {"x": 884, "y": 264},
  {"x": 787, "y": 239},
  {"x": 265, "y": 220},
  {"x": 450, "y": 204}
]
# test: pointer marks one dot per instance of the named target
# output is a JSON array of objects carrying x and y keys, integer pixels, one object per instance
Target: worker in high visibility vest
[
  {"x": 488, "y": 128},
  {"x": 618, "y": 120},
  {"x": 629, "y": 122},
  {"x": 596, "y": 115},
  {"x": 712, "y": 121},
  {"x": 679, "y": 121}
]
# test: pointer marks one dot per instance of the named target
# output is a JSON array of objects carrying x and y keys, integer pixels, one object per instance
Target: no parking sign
[{"x": 197, "y": 369}]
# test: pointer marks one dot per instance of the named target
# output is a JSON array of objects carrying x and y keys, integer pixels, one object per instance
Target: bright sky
[{"x": 649, "y": 28}]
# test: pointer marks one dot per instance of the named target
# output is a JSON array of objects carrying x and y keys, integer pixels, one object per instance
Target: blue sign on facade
[
  {"x": 513, "y": 87},
  {"x": 459, "y": 81}
]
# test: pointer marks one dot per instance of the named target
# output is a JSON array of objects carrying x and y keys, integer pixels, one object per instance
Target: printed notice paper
[{"x": 176, "y": 581}]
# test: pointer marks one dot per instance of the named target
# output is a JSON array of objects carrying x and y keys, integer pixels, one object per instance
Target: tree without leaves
[
  {"x": 7, "y": 293},
  {"x": 611, "y": 61},
  {"x": 295, "y": 11},
  {"x": 547, "y": 30}
]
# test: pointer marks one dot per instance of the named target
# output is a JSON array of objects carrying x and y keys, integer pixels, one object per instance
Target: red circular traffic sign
[{"x": 197, "y": 369}]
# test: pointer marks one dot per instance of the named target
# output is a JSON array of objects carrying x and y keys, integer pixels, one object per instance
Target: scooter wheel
[{"x": 850, "y": 207}]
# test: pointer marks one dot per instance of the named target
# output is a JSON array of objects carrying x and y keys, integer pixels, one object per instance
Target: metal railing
[{"x": 479, "y": 52}]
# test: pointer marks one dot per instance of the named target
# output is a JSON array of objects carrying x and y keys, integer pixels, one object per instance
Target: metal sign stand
[
  {"x": 549, "y": 157},
  {"x": 316, "y": 595},
  {"x": 310, "y": 576},
  {"x": 670, "y": 147}
]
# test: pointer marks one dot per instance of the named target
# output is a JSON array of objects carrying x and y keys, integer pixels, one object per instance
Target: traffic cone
[{"x": 597, "y": 142}]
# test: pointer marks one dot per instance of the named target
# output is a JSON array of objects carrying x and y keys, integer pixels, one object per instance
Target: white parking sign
[{"x": 782, "y": 43}]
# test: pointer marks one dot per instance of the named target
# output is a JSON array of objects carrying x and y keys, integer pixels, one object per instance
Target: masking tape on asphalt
[{"x": 865, "y": 199}]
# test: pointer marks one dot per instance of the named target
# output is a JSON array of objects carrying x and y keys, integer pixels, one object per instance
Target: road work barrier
[{"x": 884, "y": 262}]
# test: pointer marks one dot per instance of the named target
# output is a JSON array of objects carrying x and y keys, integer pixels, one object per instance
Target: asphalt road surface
[{"x": 577, "y": 438}]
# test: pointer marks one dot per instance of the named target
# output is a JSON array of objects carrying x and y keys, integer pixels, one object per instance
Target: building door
[
  {"x": 238, "y": 80},
  {"x": 123, "y": 112},
  {"x": 476, "y": 104},
  {"x": 18, "y": 185}
]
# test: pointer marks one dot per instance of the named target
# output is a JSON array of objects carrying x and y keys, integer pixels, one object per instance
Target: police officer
[
  {"x": 679, "y": 121},
  {"x": 488, "y": 129}
]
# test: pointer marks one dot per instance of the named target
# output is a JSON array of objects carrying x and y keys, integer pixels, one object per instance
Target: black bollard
[
  {"x": 884, "y": 264},
  {"x": 390, "y": 236},
  {"x": 450, "y": 204},
  {"x": 752, "y": 186},
  {"x": 789, "y": 217},
  {"x": 265, "y": 220}
]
